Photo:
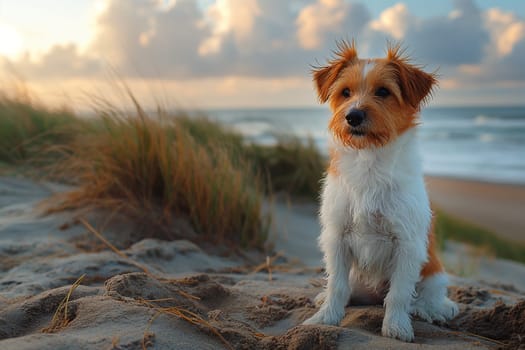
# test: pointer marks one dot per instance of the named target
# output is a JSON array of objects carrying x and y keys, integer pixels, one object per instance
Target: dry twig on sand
[
  {"x": 179, "y": 312},
  {"x": 61, "y": 318}
]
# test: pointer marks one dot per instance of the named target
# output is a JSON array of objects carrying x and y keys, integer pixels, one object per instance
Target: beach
[
  {"x": 161, "y": 164},
  {"x": 499, "y": 208},
  {"x": 156, "y": 294}
]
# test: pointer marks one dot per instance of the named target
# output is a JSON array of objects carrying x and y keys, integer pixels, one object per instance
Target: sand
[
  {"x": 496, "y": 207},
  {"x": 225, "y": 302}
]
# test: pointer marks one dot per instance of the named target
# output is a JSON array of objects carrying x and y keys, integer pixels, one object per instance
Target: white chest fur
[{"x": 378, "y": 202}]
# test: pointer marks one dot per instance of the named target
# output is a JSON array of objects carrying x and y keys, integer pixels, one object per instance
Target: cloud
[
  {"x": 468, "y": 46},
  {"x": 455, "y": 39},
  {"x": 275, "y": 39},
  {"x": 394, "y": 21},
  {"x": 322, "y": 22},
  {"x": 253, "y": 39},
  {"x": 243, "y": 38},
  {"x": 506, "y": 31},
  {"x": 235, "y": 18},
  {"x": 147, "y": 38},
  {"x": 60, "y": 62},
  {"x": 505, "y": 70},
  {"x": 504, "y": 53}
]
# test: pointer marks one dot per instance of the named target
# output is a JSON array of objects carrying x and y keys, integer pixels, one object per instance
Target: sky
[{"x": 253, "y": 53}]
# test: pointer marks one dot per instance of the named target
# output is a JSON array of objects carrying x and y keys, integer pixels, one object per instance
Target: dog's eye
[
  {"x": 382, "y": 92},
  {"x": 346, "y": 93}
]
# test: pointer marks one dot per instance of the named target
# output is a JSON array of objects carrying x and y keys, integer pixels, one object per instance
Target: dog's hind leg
[{"x": 431, "y": 302}]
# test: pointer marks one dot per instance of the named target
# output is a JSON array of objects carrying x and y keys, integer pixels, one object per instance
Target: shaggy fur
[{"x": 376, "y": 219}]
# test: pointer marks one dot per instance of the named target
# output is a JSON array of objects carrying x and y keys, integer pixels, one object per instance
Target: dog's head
[{"x": 372, "y": 100}]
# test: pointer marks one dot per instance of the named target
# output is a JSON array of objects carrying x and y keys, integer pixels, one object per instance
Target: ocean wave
[
  {"x": 483, "y": 137},
  {"x": 481, "y": 119},
  {"x": 476, "y": 123},
  {"x": 486, "y": 138},
  {"x": 253, "y": 128},
  {"x": 467, "y": 142}
]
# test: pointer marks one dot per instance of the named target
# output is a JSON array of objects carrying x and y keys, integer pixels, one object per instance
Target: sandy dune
[{"x": 119, "y": 306}]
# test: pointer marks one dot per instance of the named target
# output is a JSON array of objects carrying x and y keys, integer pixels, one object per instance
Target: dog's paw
[
  {"x": 398, "y": 326},
  {"x": 425, "y": 314},
  {"x": 449, "y": 309},
  {"x": 430, "y": 312},
  {"x": 319, "y": 299},
  {"x": 326, "y": 316}
]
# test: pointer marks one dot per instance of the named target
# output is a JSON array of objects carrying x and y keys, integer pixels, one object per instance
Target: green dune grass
[
  {"x": 450, "y": 228},
  {"x": 26, "y": 128},
  {"x": 290, "y": 166}
]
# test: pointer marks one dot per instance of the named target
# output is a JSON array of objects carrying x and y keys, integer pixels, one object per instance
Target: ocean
[{"x": 478, "y": 143}]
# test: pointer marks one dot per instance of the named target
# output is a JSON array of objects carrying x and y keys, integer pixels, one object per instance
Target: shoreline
[
  {"x": 497, "y": 207},
  {"x": 466, "y": 178}
]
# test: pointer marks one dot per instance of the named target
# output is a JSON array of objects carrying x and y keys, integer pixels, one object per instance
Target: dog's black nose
[{"x": 355, "y": 117}]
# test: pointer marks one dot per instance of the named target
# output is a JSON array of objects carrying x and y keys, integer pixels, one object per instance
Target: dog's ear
[
  {"x": 416, "y": 85},
  {"x": 325, "y": 77}
]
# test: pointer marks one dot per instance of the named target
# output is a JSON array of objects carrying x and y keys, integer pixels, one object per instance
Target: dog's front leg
[
  {"x": 407, "y": 265},
  {"x": 337, "y": 259}
]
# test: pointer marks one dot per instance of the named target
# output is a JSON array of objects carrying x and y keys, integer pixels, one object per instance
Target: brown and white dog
[{"x": 375, "y": 214}]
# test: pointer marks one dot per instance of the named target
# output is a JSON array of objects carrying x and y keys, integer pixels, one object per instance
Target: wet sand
[{"x": 499, "y": 208}]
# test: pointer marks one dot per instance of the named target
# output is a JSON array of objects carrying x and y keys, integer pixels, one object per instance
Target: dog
[{"x": 376, "y": 220}]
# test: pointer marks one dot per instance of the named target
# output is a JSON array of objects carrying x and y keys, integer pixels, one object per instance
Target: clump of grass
[
  {"x": 448, "y": 227},
  {"x": 27, "y": 128},
  {"x": 291, "y": 166},
  {"x": 209, "y": 133},
  {"x": 141, "y": 163}
]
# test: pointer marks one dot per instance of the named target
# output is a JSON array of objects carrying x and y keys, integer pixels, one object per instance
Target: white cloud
[
  {"x": 503, "y": 54},
  {"x": 316, "y": 19},
  {"x": 60, "y": 62},
  {"x": 394, "y": 21},
  {"x": 506, "y": 30},
  {"x": 229, "y": 17},
  {"x": 320, "y": 22}
]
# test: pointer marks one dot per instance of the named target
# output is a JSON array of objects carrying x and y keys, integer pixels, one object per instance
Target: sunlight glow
[{"x": 10, "y": 42}]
